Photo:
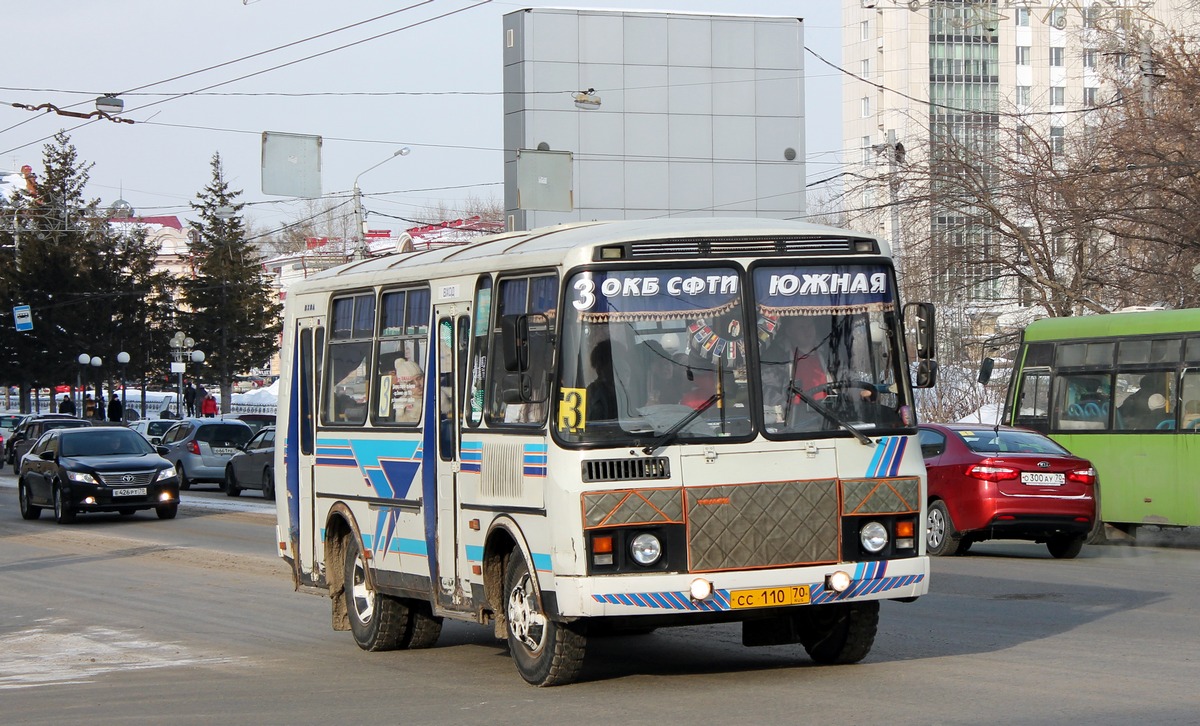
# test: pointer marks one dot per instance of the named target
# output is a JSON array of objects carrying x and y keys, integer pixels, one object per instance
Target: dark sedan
[
  {"x": 253, "y": 467},
  {"x": 96, "y": 469},
  {"x": 1004, "y": 483}
]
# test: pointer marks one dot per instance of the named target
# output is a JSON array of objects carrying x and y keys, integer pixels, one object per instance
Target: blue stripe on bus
[
  {"x": 408, "y": 546},
  {"x": 541, "y": 562},
  {"x": 474, "y": 553}
]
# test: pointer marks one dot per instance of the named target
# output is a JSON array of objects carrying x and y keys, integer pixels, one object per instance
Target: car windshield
[
  {"x": 104, "y": 442},
  {"x": 991, "y": 441},
  {"x": 224, "y": 434}
]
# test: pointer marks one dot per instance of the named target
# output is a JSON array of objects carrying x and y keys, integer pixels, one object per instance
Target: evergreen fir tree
[
  {"x": 233, "y": 312},
  {"x": 91, "y": 289}
]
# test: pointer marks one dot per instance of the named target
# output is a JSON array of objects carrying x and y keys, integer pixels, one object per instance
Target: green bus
[{"x": 1123, "y": 390}]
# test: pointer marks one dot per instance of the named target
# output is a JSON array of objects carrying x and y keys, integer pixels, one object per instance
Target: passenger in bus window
[{"x": 1138, "y": 410}]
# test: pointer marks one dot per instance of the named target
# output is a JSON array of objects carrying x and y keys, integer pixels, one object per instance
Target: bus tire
[
  {"x": 424, "y": 628},
  {"x": 838, "y": 633},
  {"x": 546, "y": 653},
  {"x": 1065, "y": 546},
  {"x": 377, "y": 622},
  {"x": 940, "y": 539}
]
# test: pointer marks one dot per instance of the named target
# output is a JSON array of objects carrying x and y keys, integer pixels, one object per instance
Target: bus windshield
[
  {"x": 673, "y": 352},
  {"x": 828, "y": 349},
  {"x": 643, "y": 350}
]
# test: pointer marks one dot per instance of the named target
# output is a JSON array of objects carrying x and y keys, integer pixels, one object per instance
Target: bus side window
[
  {"x": 1033, "y": 401},
  {"x": 1189, "y": 394}
]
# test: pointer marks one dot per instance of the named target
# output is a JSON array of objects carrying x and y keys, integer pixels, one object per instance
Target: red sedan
[{"x": 1004, "y": 483}]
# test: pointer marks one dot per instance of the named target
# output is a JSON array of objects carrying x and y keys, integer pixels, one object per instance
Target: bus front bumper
[{"x": 732, "y": 592}]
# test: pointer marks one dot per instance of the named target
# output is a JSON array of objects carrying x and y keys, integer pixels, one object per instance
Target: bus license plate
[
  {"x": 132, "y": 492},
  {"x": 769, "y": 597},
  {"x": 1044, "y": 478}
]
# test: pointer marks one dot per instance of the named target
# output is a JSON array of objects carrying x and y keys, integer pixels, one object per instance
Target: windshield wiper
[
  {"x": 672, "y": 433},
  {"x": 812, "y": 402}
]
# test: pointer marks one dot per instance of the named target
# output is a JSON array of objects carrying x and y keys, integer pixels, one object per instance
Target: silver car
[{"x": 201, "y": 447}]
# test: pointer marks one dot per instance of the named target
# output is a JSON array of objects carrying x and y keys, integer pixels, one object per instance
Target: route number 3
[{"x": 572, "y": 410}]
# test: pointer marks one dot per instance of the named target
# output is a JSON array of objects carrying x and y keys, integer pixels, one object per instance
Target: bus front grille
[
  {"x": 597, "y": 470},
  {"x": 775, "y": 524}
]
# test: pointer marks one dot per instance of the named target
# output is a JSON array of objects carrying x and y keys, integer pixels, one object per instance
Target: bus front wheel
[
  {"x": 377, "y": 621},
  {"x": 838, "y": 633},
  {"x": 546, "y": 653}
]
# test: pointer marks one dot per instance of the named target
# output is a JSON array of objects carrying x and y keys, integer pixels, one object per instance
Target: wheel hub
[
  {"x": 362, "y": 596},
  {"x": 937, "y": 528},
  {"x": 527, "y": 622}
]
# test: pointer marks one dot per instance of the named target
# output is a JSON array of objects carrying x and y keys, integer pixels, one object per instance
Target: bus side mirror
[
  {"x": 516, "y": 388},
  {"x": 514, "y": 342},
  {"x": 985, "y": 370},
  {"x": 921, "y": 318},
  {"x": 926, "y": 374}
]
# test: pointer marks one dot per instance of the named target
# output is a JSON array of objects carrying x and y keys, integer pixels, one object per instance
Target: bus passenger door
[
  {"x": 453, "y": 335},
  {"x": 300, "y": 443}
]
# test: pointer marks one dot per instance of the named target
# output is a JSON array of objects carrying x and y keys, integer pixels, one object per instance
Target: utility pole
[{"x": 894, "y": 152}]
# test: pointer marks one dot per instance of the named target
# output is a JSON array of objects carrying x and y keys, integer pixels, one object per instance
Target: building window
[
  {"x": 1022, "y": 17},
  {"x": 1091, "y": 15},
  {"x": 1023, "y": 54},
  {"x": 1089, "y": 97},
  {"x": 866, "y": 150},
  {"x": 1057, "y": 139},
  {"x": 1056, "y": 57},
  {"x": 1089, "y": 58},
  {"x": 864, "y": 68},
  {"x": 1058, "y": 96},
  {"x": 1058, "y": 17},
  {"x": 866, "y": 106},
  {"x": 1024, "y": 96},
  {"x": 864, "y": 30}
]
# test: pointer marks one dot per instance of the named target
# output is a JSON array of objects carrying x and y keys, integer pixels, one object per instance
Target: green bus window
[
  {"x": 1145, "y": 401},
  {"x": 1148, "y": 351},
  {"x": 1082, "y": 401}
]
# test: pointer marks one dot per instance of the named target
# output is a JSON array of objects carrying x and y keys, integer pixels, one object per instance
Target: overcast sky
[{"x": 430, "y": 83}]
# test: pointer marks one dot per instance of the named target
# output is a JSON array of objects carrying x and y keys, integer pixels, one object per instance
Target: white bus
[{"x": 607, "y": 427}]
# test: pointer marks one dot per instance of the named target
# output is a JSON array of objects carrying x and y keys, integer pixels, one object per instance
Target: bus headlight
[
  {"x": 874, "y": 537},
  {"x": 645, "y": 549}
]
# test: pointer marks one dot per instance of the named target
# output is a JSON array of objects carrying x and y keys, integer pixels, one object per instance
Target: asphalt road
[{"x": 193, "y": 621}]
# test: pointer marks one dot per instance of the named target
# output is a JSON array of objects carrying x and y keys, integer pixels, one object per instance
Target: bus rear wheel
[
  {"x": 546, "y": 653},
  {"x": 377, "y": 622},
  {"x": 838, "y": 633}
]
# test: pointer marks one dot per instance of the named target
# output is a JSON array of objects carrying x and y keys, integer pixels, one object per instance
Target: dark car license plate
[{"x": 130, "y": 492}]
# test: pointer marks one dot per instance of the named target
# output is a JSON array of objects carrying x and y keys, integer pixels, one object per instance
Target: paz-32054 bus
[{"x": 607, "y": 427}]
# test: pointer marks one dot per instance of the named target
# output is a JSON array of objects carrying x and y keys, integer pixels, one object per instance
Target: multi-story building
[{"x": 922, "y": 70}]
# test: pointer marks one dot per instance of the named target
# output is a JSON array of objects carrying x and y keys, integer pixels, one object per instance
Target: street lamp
[
  {"x": 84, "y": 360},
  {"x": 122, "y": 361},
  {"x": 358, "y": 210},
  {"x": 96, "y": 363},
  {"x": 181, "y": 353}
]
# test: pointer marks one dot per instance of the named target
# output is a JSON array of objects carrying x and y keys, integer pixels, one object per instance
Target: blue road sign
[{"x": 24, "y": 317}]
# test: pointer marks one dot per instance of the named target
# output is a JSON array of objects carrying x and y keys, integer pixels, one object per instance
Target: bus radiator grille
[
  {"x": 773, "y": 524},
  {"x": 596, "y": 470}
]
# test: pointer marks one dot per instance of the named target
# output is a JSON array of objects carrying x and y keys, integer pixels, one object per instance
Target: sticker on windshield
[{"x": 572, "y": 410}]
